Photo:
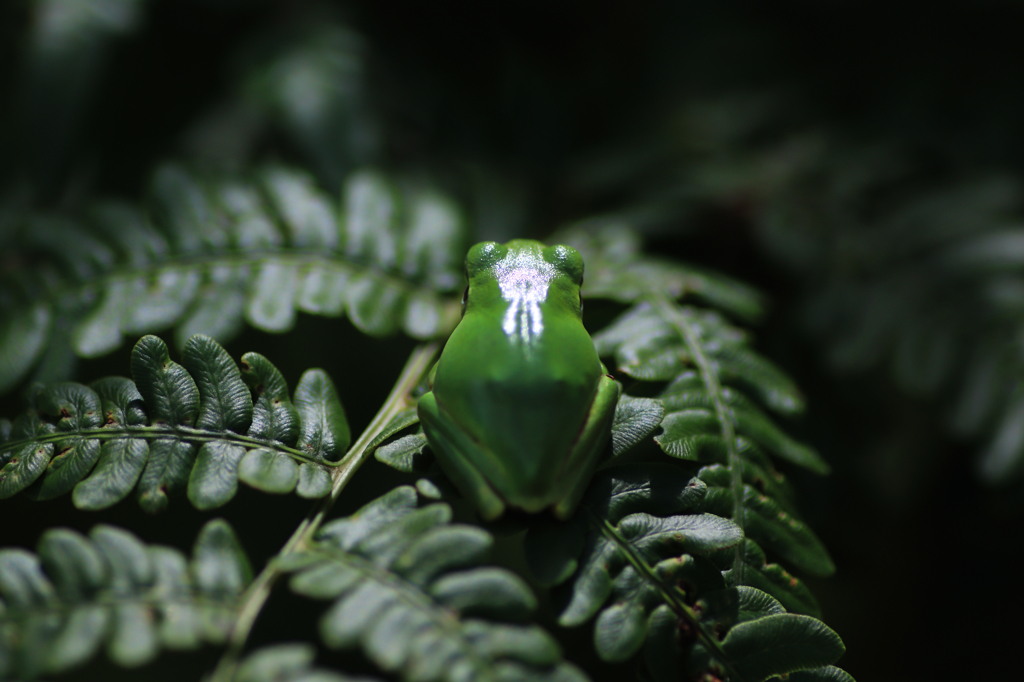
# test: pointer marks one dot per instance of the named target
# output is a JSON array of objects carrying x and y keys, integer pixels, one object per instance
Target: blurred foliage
[{"x": 861, "y": 162}]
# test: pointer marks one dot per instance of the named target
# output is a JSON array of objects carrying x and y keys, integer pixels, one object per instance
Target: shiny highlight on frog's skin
[{"x": 524, "y": 282}]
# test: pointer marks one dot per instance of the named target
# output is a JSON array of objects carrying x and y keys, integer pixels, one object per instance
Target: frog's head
[{"x": 522, "y": 277}]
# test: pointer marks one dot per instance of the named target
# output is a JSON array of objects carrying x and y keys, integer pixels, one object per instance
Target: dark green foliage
[
  {"x": 653, "y": 584},
  {"x": 657, "y": 554},
  {"x": 58, "y": 607},
  {"x": 213, "y": 251},
  {"x": 409, "y": 590},
  {"x": 196, "y": 427},
  {"x": 707, "y": 364},
  {"x": 635, "y": 419},
  {"x": 680, "y": 554}
]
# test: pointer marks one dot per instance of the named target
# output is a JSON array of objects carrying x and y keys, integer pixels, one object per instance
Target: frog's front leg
[
  {"x": 452, "y": 442},
  {"x": 587, "y": 450}
]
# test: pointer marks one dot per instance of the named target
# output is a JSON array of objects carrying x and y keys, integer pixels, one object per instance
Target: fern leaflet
[
  {"x": 77, "y": 594},
  {"x": 200, "y": 427}
]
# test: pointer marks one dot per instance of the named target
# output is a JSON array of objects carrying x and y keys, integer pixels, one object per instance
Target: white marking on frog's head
[{"x": 524, "y": 280}]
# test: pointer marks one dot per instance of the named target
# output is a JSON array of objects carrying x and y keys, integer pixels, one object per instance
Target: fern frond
[
  {"x": 201, "y": 427},
  {"x": 618, "y": 270},
  {"x": 641, "y": 554},
  {"x": 707, "y": 406},
  {"x": 58, "y": 607},
  {"x": 210, "y": 253},
  {"x": 409, "y": 589}
]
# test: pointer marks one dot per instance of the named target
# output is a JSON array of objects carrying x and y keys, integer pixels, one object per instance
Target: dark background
[{"x": 536, "y": 114}]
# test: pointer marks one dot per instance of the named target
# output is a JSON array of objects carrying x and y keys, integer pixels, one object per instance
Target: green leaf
[
  {"x": 272, "y": 302},
  {"x": 161, "y": 299},
  {"x": 791, "y": 539},
  {"x": 322, "y": 289},
  {"x": 66, "y": 468},
  {"x": 268, "y": 471},
  {"x": 274, "y": 415},
  {"x": 488, "y": 592},
  {"x": 219, "y": 304},
  {"x": 401, "y": 421},
  {"x": 170, "y": 393},
  {"x": 375, "y": 304},
  {"x": 167, "y": 471},
  {"x": 780, "y": 644},
  {"x": 219, "y": 565},
  {"x": 73, "y": 563},
  {"x": 118, "y": 469},
  {"x": 687, "y": 394},
  {"x": 26, "y": 463},
  {"x": 754, "y": 603},
  {"x": 182, "y": 210},
  {"x": 693, "y": 435},
  {"x": 324, "y": 430},
  {"x": 434, "y": 248},
  {"x": 635, "y": 419},
  {"x": 214, "y": 478},
  {"x": 121, "y": 401},
  {"x": 72, "y": 406},
  {"x": 314, "y": 482},
  {"x": 370, "y": 219},
  {"x": 287, "y": 663},
  {"x": 766, "y": 380},
  {"x": 225, "y": 402},
  {"x": 405, "y": 454}
]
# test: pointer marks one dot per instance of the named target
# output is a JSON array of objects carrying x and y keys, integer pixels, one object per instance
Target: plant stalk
[{"x": 681, "y": 321}]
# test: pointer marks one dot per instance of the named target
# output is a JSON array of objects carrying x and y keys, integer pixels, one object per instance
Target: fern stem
[
  {"x": 256, "y": 595},
  {"x": 680, "y": 319},
  {"x": 185, "y": 433},
  {"x": 671, "y": 596}
]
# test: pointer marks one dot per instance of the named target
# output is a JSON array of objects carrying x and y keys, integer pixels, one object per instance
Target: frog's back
[{"x": 526, "y": 367}]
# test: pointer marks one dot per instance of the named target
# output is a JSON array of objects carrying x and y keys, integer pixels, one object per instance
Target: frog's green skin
[{"x": 520, "y": 408}]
